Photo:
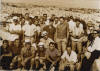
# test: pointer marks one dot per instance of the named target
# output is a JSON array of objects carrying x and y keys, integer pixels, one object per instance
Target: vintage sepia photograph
[{"x": 50, "y": 35}]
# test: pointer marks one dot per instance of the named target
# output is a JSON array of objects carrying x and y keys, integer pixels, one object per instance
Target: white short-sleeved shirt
[
  {"x": 29, "y": 29},
  {"x": 72, "y": 57},
  {"x": 95, "y": 46},
  {"x": 78, "y": 30},
  {"x": 47, "y": 22},
  {"x": 71, "y": 25},
  {"x": 13, "y": 27}
]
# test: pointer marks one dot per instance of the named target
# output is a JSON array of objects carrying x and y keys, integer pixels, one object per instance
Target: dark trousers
[
  {"x": 5, "y": 62},
  {"x": 48, "y": 66},
  {"x": 94, "y": 55}
]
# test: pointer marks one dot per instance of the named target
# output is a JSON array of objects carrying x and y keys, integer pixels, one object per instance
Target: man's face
[
  {"x": 69, "y": 50},
  {"x": 56, "y": 20},
  {"x": 45, "y": 37},
  {"x": 77, "y": 23},
  {"x": 61, "y": 21},
  {"x": 41, "y": 48},
  {"x": 23, "y": 20},
  {"x": 26, "y": 16},
  {"x": 51, "y": 47},
  {"x": 45, "y": 17},
  {"x": 17, "y": 43},
  {"x": 51, "y": 23},
  {"x": 28, "y": 46},
  {"x": 4, "y": 44}
]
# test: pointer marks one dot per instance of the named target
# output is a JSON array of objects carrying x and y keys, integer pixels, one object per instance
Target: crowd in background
[{"x": 49, "y": 43}]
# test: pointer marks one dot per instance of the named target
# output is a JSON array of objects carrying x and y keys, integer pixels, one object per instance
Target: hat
[
  {"x": 27, "y": 40},
  {"x": 44, "y": 33},
  {"x": 41, "y": 44},
  {"x": 15, "y": 18}
]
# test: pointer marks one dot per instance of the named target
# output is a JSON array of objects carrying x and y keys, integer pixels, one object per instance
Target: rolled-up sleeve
[{"x": 64, "y": 55}]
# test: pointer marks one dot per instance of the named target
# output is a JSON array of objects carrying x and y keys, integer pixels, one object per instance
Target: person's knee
[
  {"x": 78, "y": 66},
  {"x": 19, "y": 59},
  {"x": 32, "y": 60},
  {"x": 72, "y": 67},
  {"x": 11, "y": 65},
  {"x": 61, "y": 67}
]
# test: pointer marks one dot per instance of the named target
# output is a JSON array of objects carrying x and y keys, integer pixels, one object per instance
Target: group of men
[{"x": 49, "y": 43}]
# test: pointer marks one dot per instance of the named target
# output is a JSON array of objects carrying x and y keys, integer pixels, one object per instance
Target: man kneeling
[{"x": 68, "y": 59}]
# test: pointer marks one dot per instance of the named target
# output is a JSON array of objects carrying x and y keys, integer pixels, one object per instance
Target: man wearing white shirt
[
  {"x": 29, "y": 31},
  {"x": 71, "y": 24},
  {"x": 77, "y": 35},
  {"x": 68, "y": 59},
  {"x": 14, "y": 29}
]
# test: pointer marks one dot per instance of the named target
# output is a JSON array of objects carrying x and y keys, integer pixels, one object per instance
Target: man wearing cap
[
  {"x": 40, "y": 56},
  {"x": 45, "y": 39},
  {"x": 14, "y": 29}
]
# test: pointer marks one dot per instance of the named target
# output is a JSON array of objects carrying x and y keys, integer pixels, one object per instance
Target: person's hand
[
  {"x": 53, "y": 63},
  {"x": 37, "y": 57},
  {"x": 23, "y": 63}
]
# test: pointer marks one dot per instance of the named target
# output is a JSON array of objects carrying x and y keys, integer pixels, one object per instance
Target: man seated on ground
[
  {"x": 52, "y": 57},
  {"x": 40, "y": 57},
  {"x": 25, "y": 58},
  {"x": 27, "y": 55},
  {"x": 5, "y": 55},
  {"x": 68, "y": 59},
  {"x": 16, "y": 50}
]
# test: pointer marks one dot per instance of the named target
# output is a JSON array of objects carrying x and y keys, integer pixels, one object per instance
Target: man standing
[
  {"x": 62, "y": 34},
  {"x": 50, "y": 30},
  {"x": 29, "y": 31},
  {"x": 77, "y": 36}
]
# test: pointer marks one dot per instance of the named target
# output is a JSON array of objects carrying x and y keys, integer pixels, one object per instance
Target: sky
[{"x": 61, "y": 3}]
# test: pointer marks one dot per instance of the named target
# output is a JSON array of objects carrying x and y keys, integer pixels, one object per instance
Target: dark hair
[
  {"x": 44, "y": 14},
  {"x": 51, "y": 20},
  {"x": 77, "y": 20},
  {"x": 5, "y": 41},
  {"x": 27, "y": 43},
  {"x": 51, "y": 43},
  {"x": 62, "y": 18},
  {"x": 26, "y": 13}
]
